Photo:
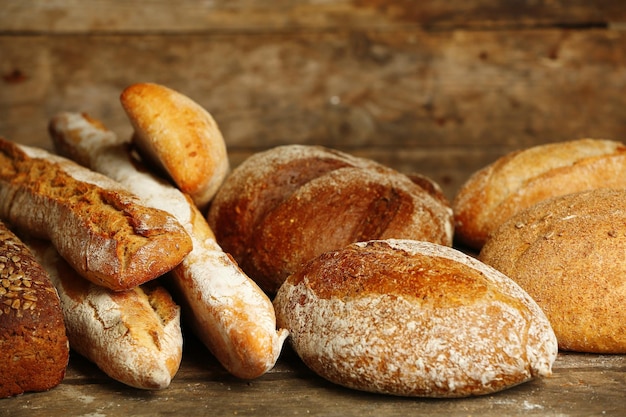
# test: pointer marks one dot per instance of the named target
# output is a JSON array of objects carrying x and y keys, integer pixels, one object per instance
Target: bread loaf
[
  {"x": 34, "y": 348},
  {"x": 414, "y": 318},
  {"x": 179, "y": 136},
  {"x": 568, "y": 254},
  {"x": 133, "y": 336},
  {"x": 525, "y": 177},
  {"x": 286, "y": 205},
  {"x": 101, "y": 229},
  {"x": 225, "y": 308}
]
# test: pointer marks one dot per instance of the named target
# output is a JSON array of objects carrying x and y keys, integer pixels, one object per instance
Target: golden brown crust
[
  {"x": 522, "y": 178},
  {"x": 414, "y": 319},
  {"x": 34, "y": 349},
  {"x": 180, "y": 136},
  {"x": 101, "y": 229},
  {"x": 286, "y": 205},
  {"x": 568, "y": 254},
  {"x": 134, "y": 336}
]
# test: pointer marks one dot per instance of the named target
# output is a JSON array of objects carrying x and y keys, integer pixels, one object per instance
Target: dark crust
[{"x": 35, "y": 349}]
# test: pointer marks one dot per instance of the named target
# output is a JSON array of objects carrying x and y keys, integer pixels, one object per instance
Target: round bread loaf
[
  {"x": 286, "y": 205},
  {"x": 568, "y": 254},
  {"x": 520, "y": 179},
  {"x": 414, "y": 318}
]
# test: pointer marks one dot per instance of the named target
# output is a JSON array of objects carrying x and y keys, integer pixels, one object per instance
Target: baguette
[
  {"x": 226, "y": 309},
  {"x": 133, "y": 336},
  {"x": 102, "y": 230},
  {"x": 34, "y": 350},
  {"x": 522, "y": 178},
  {"x": 179, "y": 136}
]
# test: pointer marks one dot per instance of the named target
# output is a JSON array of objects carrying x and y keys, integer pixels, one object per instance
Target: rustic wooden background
[{"x": 440, "y": 87}]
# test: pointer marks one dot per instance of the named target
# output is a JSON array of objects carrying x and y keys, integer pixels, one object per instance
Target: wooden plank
[
  {"x": 353, "y": 90},
  {"x": 582, "y": 385},
  {"x": 110, "y": 16}
]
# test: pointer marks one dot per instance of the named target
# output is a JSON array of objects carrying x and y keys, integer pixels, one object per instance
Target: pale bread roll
[
  {"x": 414, "y": 318},
  {"x": 133, "y": 336},
  {"x": 568, "y": 254},
  {"x": 227, "y": 310},
  {"x": 97, "y": 225},
  {"x": 525, "y": 177},
  {"x": 180, "y": 136}
]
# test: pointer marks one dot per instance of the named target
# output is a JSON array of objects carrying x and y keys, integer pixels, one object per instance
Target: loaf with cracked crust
[
  {"x": 568, "y": 254},
  {"x": 413, "y": 318},
  {"x": 133, "y": 336},
  {"x": 34, "y": 349},
  {"x": 100, "y": 228},
  {"x": 286, "y": 205},
  {"x": 522, "y": 178}
]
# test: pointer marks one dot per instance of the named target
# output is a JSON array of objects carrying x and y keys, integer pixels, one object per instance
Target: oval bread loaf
[
  {"x": 414, "y": 318},
  {"x": 179, "y": 136},
  {"x": 286, "y": 205},
  {"x": 568, "y": 254},
  {"x": 523, "y": 178}
]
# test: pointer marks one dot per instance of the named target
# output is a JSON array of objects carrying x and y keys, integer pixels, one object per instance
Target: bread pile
[
  {"x": 552, "y": 218},
  {"x": 352, "y": 259},
  {"x": 127, "y": 249}
]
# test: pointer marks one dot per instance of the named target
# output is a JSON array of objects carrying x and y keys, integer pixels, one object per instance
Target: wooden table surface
[{"x": 582, "y": 385}]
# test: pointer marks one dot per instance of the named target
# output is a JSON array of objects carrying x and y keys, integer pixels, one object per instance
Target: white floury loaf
[{"x": 413, "y": 318}]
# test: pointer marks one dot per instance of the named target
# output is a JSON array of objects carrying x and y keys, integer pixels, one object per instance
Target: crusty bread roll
[
  {"x": 525, "y": 177},
  {"x": 133, "y": 336},
  {"x": 225, "y": 308},
  {"x": 101, "y": 229},
  {"x": 34, "y": 349},
  {"x": 286, "y": 205},
  {"x": 414, "y": 318},
  {"x": 568, "y": 254},
  {"x": 179, "y": 136}
]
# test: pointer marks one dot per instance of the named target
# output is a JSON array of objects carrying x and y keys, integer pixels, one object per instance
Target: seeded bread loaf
[
  {"x": 101, "y": 229},
  {"x": 523, "y": 178},
  {"x": 286, "y": 205},
  {"x": 134, "y": 336},
  {"x": 568, "y": 254},
  {"x": 34, "y": 349},
  {"x": 414, "y": 318},
  {"x": 179, "y": 136},
  {"x": 226, "y": 310}
]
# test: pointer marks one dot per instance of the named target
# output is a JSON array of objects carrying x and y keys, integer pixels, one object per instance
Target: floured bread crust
[
  {"x": 414, "y": 318},
  {"x": 34, "y": 349},
  {"x": 284, "y": 206},
  {"x": 134, "y": 336},
  {"x": 232, "y": 316},
  {"x": 180, "y": 136},
  {"x": 568, "y": 254},
  {"x": 522, "y": 178},
  {"x": 100, "y": 228}
]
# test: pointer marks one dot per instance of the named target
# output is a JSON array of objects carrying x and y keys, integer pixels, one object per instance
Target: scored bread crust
[
  {"x": 414, "y": 319},
  {"x": 568, "y": 254},
  {"x": 283, "y": 206},
  {"x": 228, "y": 312},
  {"x": 133, "y": 336},
  {"x": 34, "y": 349},
  {"x": 522, "y": 178},
  {"x": 100, "y": 228},
  {"x": 179, "y": 136}
]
